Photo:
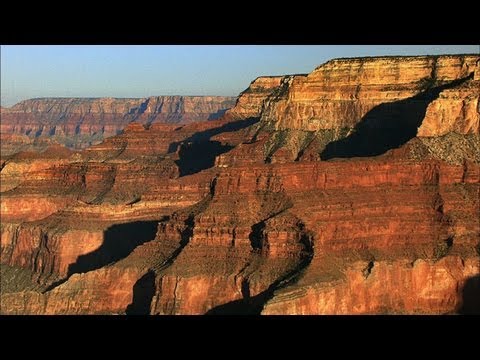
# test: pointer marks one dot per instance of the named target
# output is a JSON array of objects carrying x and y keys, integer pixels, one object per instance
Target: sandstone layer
[
  {"x": 351, "y": 190},
  {"x": 79, "y": 122}
]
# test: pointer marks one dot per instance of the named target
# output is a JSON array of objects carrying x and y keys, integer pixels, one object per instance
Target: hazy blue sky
[{"x": 138, "y": 71}]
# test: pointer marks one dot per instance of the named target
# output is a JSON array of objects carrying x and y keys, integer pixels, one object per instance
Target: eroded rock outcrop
[
  {"x": 79, "y": 122},
  {"x": 341, "y": 92},
  {"x": 251, "y": 102},
  {"x": 351, "y": 190},
  {"x": 367, "y": 106}
]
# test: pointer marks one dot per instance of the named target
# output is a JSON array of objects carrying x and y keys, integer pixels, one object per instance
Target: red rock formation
[
  {"x": 240, "y": 216},
  {"x": 79, "y": 122},
  {"x": 393, "y": 287},
  {"x": 456, "y": 110},
  {"x": 372, "y": 104},
  {"x": 339, "y": 93},
  {"x": 250, "y": 102},
  {"x": 109, "y": 291}
]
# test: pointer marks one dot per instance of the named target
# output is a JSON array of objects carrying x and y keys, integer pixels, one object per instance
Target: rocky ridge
[
  {"x": 80, "y": 122},
  {"x": 305, "y": 198}
]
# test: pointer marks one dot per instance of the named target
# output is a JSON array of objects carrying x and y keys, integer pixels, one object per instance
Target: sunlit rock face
[
  {"x": 80, "y": 122},
  {"x": 351, "y": 190}
]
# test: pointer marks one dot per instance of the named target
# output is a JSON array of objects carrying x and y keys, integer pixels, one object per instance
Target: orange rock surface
[
  {"x": 351, "y": 190},
  {"x": 79, "y": 122},
  {"x": 339, "y": 93}
]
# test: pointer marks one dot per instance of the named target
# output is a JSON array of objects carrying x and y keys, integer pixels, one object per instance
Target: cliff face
[
  {"x": 455, "y": 110},
  {"x": 341, "y": 92},
  {"x": 79, "y": 122},
  {"x": 250, "y": 102},
  {"x": 368, "y": 106},
  {"x": 259, "y": 212},
  {"x": 394, "y": 287}
]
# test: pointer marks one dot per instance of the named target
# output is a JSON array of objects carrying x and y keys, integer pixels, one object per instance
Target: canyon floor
[{"x": 354, "y": 189}]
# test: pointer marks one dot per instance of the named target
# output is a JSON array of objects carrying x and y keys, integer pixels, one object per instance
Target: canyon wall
[
  {"x": 352, "y": 190},
  {"x": 79, "y": 122},
  {"x": 341, "y": 92}
]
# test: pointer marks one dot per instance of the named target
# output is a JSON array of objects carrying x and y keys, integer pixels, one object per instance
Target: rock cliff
[
  {"x": 79, "y": 122},
  {"x": 351, "y": 190},
  {"x": 341, "y": 92}
]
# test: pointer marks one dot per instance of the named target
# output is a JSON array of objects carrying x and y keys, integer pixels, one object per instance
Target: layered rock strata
[
  {"x": 303, "y": 199},
  {"x": 79, "y": 122}
]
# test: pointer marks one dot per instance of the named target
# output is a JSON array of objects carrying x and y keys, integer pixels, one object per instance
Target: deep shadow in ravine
[
  {"x": 253, "y": 305},
  {"x": 185, "y": 237},
  {"x": 198, "y": 152},
  {"x": 143, "y": 292},
  {"x": 387, "y": 126},
  {"x": 471, "y": 296},
  {"x": 118, "y": 242},
  {"x": 256, "y": 235},
  {"x": 198, "y": 156},
  {"x": 144, "y": 288}
]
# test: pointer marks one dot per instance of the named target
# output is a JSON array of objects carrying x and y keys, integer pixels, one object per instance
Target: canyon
[
  {"x": 81, "y": 122},
  {"x": 354, "y": 189}
]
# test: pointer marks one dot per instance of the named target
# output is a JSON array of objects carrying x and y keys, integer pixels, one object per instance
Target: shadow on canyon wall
[
  {"x": 387, "y": 126},
  {"x": 185, "y": 236},
  {"x": 143, "y": 292},
  {"x": 245, "y": 306},
  {"x": 217, "y": 115},
  {"x": 118, "y": 242},
  {"x": 471, "y": 297},
  {"x": 198, "y": 156},
  {"x": 253, "y": 305},
  {"x": 144, "y": 288},
  {"x": 198, "y": 152}
]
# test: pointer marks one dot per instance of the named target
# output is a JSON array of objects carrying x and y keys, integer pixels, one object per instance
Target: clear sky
[{"x": 139, "y": 71}]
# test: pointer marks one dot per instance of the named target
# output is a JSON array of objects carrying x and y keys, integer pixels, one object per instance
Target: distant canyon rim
[{"x": 354, "y": 189}]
